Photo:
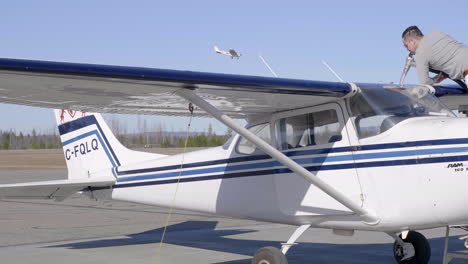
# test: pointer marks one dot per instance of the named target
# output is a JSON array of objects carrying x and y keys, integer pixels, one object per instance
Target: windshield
[{"x": 376, "y": 109}]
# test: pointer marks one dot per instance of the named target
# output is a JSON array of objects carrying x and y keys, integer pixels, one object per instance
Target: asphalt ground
[{"x": 80, "y": 230}]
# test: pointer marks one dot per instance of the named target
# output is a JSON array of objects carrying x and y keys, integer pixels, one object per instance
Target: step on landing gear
[{"x": 412, "y": 249}]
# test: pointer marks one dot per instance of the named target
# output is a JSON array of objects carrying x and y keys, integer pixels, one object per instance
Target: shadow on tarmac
[{"x": 202, "y": 235}]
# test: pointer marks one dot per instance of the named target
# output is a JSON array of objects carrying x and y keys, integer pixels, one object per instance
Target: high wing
[
  {"x": 134, "y": 90},
  {"x": 233, "y": 53},
  {"x": 57, "y": 190}
]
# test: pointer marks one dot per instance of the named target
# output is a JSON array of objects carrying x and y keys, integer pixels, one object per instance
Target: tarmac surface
[{"x": 80, "y": 230}]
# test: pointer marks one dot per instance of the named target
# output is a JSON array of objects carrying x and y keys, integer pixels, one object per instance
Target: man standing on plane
[{"x": 437, "y": 51}]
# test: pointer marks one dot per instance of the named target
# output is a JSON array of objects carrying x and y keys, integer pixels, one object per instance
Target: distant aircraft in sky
[{"x": 231, "y": 52}]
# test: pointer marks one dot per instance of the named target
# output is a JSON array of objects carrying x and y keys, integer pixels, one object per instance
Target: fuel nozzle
[{"x": 408, "y": 64}]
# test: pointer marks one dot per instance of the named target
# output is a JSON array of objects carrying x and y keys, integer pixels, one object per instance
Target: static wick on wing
[{"x": 230, "y": 52}]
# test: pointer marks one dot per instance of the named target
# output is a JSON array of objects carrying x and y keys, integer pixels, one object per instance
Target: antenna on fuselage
[
  {"x": 332, "y": 71},
  {"x": 268, "y": 66}
]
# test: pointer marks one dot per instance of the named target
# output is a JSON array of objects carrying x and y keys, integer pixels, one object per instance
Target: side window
[
  {"x": 296, "y": 131},
  {"x": 246, "y": 147},
  {"x": 310, "y": 129},
  {"x": 327, "y": 128}
]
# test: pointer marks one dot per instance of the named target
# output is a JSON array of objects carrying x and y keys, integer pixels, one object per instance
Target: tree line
[
  {"x": 145, "y": 138},
  {"x": 34, "y": 140}
]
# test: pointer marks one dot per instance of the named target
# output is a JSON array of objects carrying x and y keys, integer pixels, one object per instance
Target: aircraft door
[{"x": 316, "y": 138}]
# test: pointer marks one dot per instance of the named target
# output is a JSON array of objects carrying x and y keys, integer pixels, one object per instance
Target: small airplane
[
  {"x": 231, "y": 52},
  {"x": 336, "y": 155}
]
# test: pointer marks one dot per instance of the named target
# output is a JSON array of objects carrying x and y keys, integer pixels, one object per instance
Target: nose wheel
[
  {"x": 272, "y": 255},
  {"x": 414, "y": 249},
  {"x": 269, "y": 255}
]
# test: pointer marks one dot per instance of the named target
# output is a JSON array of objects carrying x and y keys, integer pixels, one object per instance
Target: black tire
[
  {"x": 421, "y": 247},
  {"x": 269, "y": 255}
]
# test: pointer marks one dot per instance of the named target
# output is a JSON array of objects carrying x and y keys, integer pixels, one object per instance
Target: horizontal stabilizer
[{"x": 57, "y": 190}]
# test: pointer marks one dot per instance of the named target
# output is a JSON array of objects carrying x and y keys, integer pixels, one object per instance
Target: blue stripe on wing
[{"x": 185, "y": 78}]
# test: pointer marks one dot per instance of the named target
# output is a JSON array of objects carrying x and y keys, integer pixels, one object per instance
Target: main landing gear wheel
[
  {"x": 415, "y": 251},
  {"x": 269, "y": 255}
]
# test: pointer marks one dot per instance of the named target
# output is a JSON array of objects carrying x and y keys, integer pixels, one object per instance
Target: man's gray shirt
[{"x": 439, "y": 51}]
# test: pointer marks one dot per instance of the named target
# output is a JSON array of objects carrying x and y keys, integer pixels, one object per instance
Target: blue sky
[{"x": 359, "y": 39}]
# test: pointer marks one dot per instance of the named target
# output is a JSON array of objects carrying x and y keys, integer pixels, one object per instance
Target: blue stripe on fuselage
[
  {"x": 304, "y": 161},
  {"x": 311, "y": 168},
  {"x": 295, "y": 153}
]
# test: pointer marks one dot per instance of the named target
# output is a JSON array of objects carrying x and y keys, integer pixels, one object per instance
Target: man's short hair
[{"x": 412, "y": 32}]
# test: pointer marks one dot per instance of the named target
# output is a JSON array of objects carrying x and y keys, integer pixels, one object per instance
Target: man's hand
[{"x": 439, "y": 77}]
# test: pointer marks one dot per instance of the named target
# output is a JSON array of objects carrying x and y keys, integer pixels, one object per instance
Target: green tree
[
  {"x": 6, "y": 144},
  {"x": 141, "y": 140},
  {"x": 213, "y": 141},
  {"x": 181, "y": 142},
  {"x": 166, "y": 142}
]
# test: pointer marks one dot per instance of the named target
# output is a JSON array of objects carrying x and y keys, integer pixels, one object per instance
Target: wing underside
[
  {"x": 132, "y": 90},
  {"x": 136, "y": 90}
]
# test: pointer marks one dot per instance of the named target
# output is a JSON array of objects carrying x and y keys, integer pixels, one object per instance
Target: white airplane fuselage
[{"x": 412, "y": 176}]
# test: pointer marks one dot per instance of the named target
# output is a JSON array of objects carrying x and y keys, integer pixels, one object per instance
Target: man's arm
[
  {"x": 440, "y": 77},
  {"x": 422, "y": 66}
]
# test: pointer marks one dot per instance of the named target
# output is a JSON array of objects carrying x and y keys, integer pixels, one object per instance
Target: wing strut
[{"x": 366, "y": 216}]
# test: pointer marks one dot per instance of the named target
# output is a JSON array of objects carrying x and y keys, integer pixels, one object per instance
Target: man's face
[{"x": 411, "y": 45}]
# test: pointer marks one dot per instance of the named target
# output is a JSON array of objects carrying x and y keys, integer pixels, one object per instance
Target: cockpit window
[
  {"x": 262, "y": 131},
  {"x": 377, "y": 109}
]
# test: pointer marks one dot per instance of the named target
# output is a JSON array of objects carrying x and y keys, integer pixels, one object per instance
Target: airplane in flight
[
  {"x": 231, "y": 52},
  {"x": 336, "y": 155}
]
